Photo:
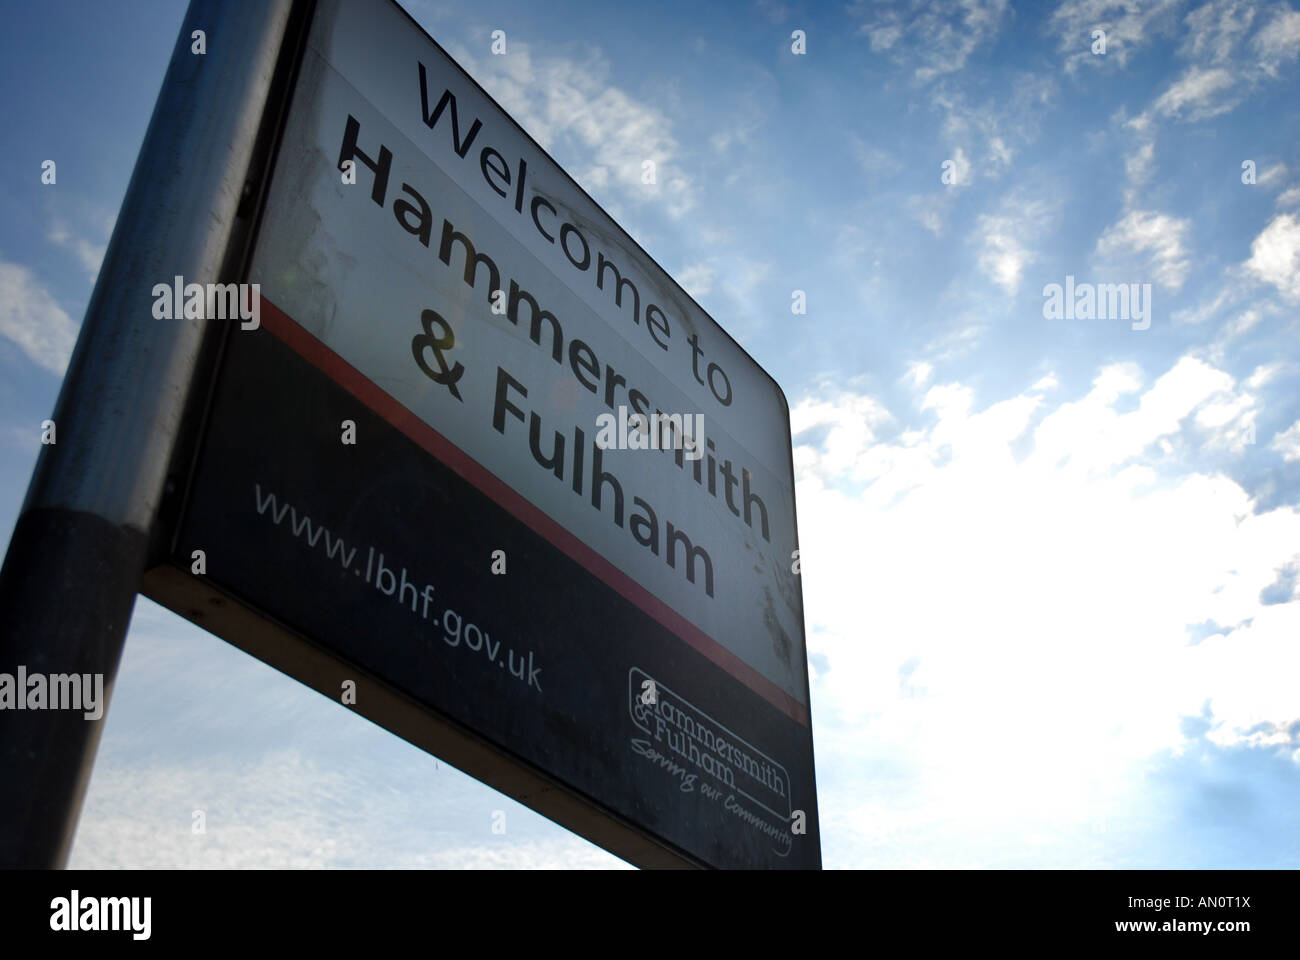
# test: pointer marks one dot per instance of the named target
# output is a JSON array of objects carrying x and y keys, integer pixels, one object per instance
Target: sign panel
[{"x": 484, "y": 451}]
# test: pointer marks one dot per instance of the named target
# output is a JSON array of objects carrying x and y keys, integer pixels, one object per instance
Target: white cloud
[
  {"x": 849, "y": 423},
  {"x": 999, "y": 153},
  {"x": 1289, "y": 197},
  {"x": 980, "y": 141},
  {"x": 1129, "y": 25},
  {"x": 1265, "y": 373},
  {"x": 1004, "y": 126},
  {"x": 1198, "y": 94},
  {"x": 1271, "y": 176},
  {"x": 1217, "y": 29},
  {"x": 1279, "y": 40},
  {"x": 1034, "y": 604},
  {"x": 929, "y": 209},
  {"x": 1091, "y": 437},
  {"x": 1137, "y": 165},
  {"x": 940, "y": 36},
  {"x": 1156, "y": 239},
  {"x": 956, "y": 341},
  {"x": 1236, "y": 325},
  {"x": 697, "y": 279},
  {"x": 90, "y": 254},
  {"x": 1221, "y": 70},
  {"x": 1275, "y": 256},
  {"x": 919, "y": 373},
  {"x": 1003, "y": 255},
  {"x": 31, "y": 318},
  {"x": 1287, "y": 443},
  {"x": 960, "y": 168},
  {"x": 1211, "y": 309},
  {"x": 882, "y": 36},
  {"x": 1007, "y": 238}
]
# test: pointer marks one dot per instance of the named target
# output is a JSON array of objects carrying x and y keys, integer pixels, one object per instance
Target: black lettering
[
  {"x": 729, "y": 486},
  {"x": 581, "y": 355},
  {"x": 502, "y": 402},
  {"x": 749, "y": 498},
  {"x": 673, "y": 537},
  {"x": 536, "y": 315},
  {"x": 600, "y": 477},
  {"x": 649, "y": 523},
  {"x": 349, "y": 151},
  {"x": 472, "y": 257},
  {"x": 431, "y": 119},
  {"x": 424, "y": 228},
  {"x": 619, "y": 281},
  {"x": 567, "y": 229},
  {"x": 696, "y": 353},
  {"x": 653, "y": 327},
  {"x": 555, "y": 462},
  {"x": 613, "y": 380},
  {"x": 714, "y": 367},
  {"x": 540, "y": 201},
  {"x": 501, "y": 171}
]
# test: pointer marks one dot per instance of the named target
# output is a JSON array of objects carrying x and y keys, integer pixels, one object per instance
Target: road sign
[{"x": 484, "y": 467}]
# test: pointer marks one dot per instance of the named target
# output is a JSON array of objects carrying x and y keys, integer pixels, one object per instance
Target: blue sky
[{"x": 1050, "y": 565}]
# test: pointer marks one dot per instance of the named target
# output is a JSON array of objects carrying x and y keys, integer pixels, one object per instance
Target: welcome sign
[{"x": 484, "y": 454}]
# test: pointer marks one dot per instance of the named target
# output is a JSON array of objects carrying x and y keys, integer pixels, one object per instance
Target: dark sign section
[{"x": 398, "y": 567}]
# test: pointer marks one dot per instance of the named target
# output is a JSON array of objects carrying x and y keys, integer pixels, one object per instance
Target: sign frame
[{"x": 259, "y": 633}]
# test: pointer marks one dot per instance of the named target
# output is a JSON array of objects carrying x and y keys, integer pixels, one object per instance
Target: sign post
[{"x": 80, "y": 545}]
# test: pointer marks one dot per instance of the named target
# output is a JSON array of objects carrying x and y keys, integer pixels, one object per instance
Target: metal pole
[{"x": 79, "y": 548}]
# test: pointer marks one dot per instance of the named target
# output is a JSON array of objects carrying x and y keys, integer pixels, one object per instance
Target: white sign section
[{"x": 432, "y": 245}]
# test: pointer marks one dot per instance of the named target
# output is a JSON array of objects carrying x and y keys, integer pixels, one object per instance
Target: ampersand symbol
[{"x": 445, "y": 376}]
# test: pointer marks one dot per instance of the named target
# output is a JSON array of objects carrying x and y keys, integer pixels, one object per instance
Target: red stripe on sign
[{"x": 365, "y": 390}]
